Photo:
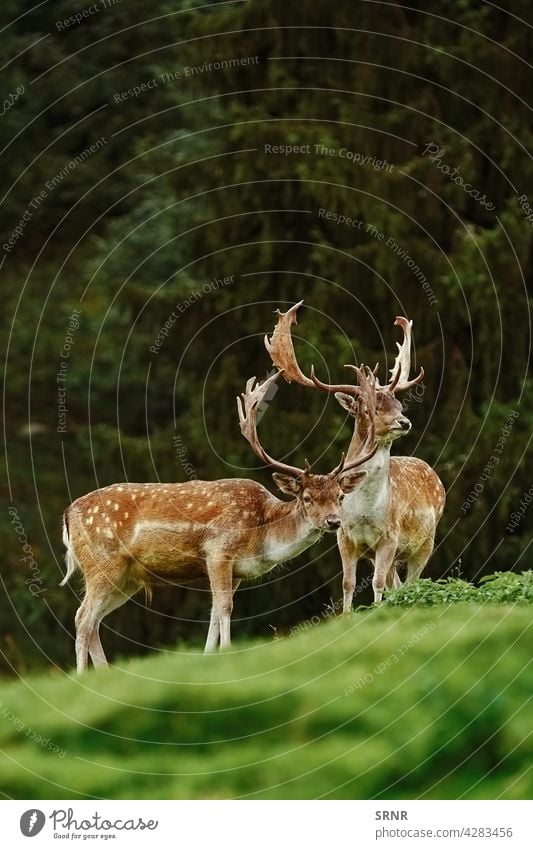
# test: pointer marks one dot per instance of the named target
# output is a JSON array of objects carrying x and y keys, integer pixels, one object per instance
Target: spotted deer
[
  {"x": 131, "y": 536},
  {"x": 393, "y": 515}
]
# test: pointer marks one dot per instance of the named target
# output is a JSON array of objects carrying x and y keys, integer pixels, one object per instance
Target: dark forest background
[{"x": 181, "y": 191}]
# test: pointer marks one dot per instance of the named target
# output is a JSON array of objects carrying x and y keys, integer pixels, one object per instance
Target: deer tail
[{"x": 70, "y": 559}]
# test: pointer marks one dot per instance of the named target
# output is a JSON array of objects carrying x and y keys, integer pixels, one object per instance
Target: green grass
[
  {"x": 389, "y": 703},
  {"x": 500, "y": 588}
]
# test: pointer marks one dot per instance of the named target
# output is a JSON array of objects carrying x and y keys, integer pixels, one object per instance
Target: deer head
[
  {"x": 389, "y": 421},
  {"x": 318, "y": 497}
]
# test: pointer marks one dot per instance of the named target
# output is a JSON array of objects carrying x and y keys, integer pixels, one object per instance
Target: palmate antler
[
  {"x": 251, "y": 399},
  {"x": 399, "y": 381},
  {"x": 281, "y": 349},
  {"x": 247, "y": 407}
]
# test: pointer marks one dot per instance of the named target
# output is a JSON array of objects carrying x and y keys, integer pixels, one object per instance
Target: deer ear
[
  {"x": 351, "y": 480},
  {"x": 346, "y": 401},
  {"x": 287, "y": 484}
]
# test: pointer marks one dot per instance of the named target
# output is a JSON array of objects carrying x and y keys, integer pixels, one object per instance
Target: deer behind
[{"x": 393, "y": 515}]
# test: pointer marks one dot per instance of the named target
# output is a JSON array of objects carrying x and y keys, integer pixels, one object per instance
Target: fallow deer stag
[
  {"x": 393, "y": 515},
  {"x": 130, "y": 536}
]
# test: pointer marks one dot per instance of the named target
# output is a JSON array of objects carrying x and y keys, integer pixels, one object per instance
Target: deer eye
[
  {"x": 342, "y": 497},
  {"x": 307, "y": 498}
]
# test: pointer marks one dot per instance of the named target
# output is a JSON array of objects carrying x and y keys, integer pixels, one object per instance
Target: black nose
[
  {"x": 406, "y": 424},
  {"x": 333, "y": 523}
]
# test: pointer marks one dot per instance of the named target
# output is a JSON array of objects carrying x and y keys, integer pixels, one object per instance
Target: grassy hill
[{"x": 390, "y": 703}]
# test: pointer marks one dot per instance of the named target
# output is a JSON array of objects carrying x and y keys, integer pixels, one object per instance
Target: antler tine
[
  {"x": 393, "y": 384},
  {"x": 338, "y": 469},
  {"x": 374, "y": 372},
  {"x": 368, "y": 383},
  {"x": 247, "y": 406},
  {"x": 367, "y": 388},
  {"x": 413, "y": 382},
  {"x": 281, "y": 348},
  {"x": 402, "y": 365},
  {"x": 333, "y": 387},
  {"x": 403, "y": 357}
]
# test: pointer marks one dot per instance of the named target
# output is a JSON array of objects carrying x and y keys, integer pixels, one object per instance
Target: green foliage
[
  {"x": 500, "y": 588},
  {"x": 507, "y": 588},
  {"x": 387, "y": 704}
]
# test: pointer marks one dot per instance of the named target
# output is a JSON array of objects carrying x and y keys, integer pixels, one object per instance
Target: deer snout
[
  {"x": 404, "y": 423},
  {"x": 333, "y": 523}
]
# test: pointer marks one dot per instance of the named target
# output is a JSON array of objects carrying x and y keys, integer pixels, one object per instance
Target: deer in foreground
[
  {"x": 393, "y": 515},
  {"x": 131, "y": 536}
]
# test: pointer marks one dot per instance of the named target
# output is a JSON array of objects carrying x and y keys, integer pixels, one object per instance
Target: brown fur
[
  {"x": 128, "y": 537},
  {"x": 394, "y": 513}
]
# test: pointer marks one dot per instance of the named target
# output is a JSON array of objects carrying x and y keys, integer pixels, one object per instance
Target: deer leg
[
  {"x": 82, "y": 635},
  {"x": 213, "y": 635},
  {"x": 105, "y": 590},
  {"x": 349, "y": 569},
  {"x": 87, "y": 619},
  {"x": 416, "y": 564},
  {"x": 384, "y": 562},
  {"x": 220, "y": 572},
  {"x": 101, "y": 610},
  {"x": 393, "y": 579}
]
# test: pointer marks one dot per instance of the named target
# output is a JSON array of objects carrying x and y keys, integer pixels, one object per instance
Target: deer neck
[
  {"x": 377, "y": 470},
  {"x": 378, "y": 465},
  {"x": 369, "y": 503},
  {"x": 287, "y": 531}
]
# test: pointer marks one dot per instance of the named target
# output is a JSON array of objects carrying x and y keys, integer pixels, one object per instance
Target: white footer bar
[{"x": 268, "y": 824}]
